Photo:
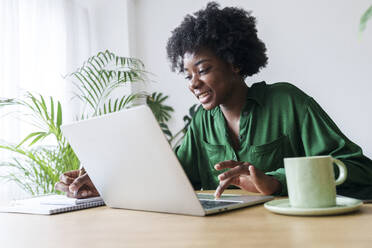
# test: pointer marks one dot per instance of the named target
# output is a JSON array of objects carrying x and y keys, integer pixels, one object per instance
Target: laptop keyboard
[{"x": 208, "y": 204}]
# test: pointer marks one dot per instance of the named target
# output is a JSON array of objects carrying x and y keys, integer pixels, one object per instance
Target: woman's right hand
[{"x": 76, "y": 185}]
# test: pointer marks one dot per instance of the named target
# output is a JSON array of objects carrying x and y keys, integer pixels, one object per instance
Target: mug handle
[{"x": 343, "y": 171}]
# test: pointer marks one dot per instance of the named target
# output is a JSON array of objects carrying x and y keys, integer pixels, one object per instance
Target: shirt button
[{"x": 245, "y": 113}]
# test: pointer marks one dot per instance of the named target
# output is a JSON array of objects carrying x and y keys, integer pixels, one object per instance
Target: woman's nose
[{"x": 194, "y": 82}]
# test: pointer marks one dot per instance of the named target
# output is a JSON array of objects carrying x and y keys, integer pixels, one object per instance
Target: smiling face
[{"x": 212, "y": 80}]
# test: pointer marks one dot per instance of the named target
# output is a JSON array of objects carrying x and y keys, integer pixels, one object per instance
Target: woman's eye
[
  {"x": 188, "y": 77},
  {"x": 204, "y": 71}
]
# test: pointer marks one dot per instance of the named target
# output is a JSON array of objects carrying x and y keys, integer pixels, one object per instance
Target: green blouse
[{"x": 277, "y": 121}]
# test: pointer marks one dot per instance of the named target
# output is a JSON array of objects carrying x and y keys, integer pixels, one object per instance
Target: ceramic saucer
[{"x": 343, "y": 205}]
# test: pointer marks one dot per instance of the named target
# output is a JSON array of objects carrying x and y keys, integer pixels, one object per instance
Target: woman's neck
[{"x": 233, "y": 107}]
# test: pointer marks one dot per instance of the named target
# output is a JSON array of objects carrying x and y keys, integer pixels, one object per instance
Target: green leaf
[
  {"x": 28, "y": 137},
  {"x": 93, "y": 104},
  {"x": 34, "y": 100},
  {"x": 51, "y": 109},
  {"x": 41, "y": 136},
  {"x": 102, "y": 64},
  {"x": 85, "y": 82},
  {"x": 165, "y": 129},
  {"x": 8, "y": 101},
  {"x": 125, "y": 101},
  {"x": 109, "y": 106},
  {"x": 92, "y": 74},
  {"x": 104, "y": 109},
  {"x": 364, "y": 19},
  {"x": 116, "y": 105},
  {"x": 160, "y": 110},
  {"x": 59, "y": 115},
  {"x": 44, "y": 107},
  {"x": 91, "y": 82}
]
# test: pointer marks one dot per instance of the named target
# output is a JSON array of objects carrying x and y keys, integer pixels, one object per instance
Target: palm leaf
[
  {"x": 7, "y": 101},
  {"x": 364, "y": 19},
  {"x": 59, "y": 115},
  {"x": 100, "y": 75},
  {"x": 161, "y": 111},
  {"x": 164, "y": 127},
  {"x": 30, "y": 136}
]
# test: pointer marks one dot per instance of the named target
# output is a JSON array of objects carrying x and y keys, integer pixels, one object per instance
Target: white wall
[
  {"x": 98, "y": 25},
  {"x": 108, "y": 21},
  {"x": 312, "y": 44}
]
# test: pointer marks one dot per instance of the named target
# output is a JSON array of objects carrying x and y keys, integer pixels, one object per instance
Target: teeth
[{"x": 204, "y": 94}]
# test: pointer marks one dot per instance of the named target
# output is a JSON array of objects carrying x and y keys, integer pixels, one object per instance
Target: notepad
[{"x": 51, "y": 204}]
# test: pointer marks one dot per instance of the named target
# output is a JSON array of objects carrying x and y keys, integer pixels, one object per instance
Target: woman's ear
[{"x": 235, "y": 69}]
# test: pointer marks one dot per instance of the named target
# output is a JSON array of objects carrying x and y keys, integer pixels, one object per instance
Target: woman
[{"x": 241, "y": 134}]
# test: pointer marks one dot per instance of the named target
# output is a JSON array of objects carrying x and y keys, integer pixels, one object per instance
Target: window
[{"x": 42, "y": 41}]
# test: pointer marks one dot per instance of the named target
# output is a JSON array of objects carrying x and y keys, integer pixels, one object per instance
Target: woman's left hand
[{"x": 245, "y": 176}]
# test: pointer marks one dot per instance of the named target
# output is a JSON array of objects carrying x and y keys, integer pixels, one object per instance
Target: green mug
[{"x": 311, "y": 181}]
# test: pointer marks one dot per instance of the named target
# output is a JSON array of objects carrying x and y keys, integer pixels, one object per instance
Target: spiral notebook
[{"x": 50, "y": 204}]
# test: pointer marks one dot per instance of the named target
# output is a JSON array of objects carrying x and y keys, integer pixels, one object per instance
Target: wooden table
[{"x": 248, "y": 227}]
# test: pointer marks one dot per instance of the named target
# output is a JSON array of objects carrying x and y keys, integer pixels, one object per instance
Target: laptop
[{"x": 132, "y": 165}]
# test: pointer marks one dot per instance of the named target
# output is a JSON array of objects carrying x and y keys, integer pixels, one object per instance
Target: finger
[
  {"x": 66, "y": 179},
  {"x": 256, "y": 175},
  {"x": 69, "y": 177},
  {"x": 257, "y": 179},
  {"x": 221, "y": 188},
  {"x": 70, "y": 194},
  {"x": 227, "y": 164},
  {"x": 82, "y": 193},
  {"x": 265, "y": 184},
  {"x": 73, "y": 173},
  {"x": 238, "y": 170},
  {"x": 218, "y": 192},
  {"x": 78, "y": 183},
  {"x": 237, "y": 181},
  {"x": 61, "y": 187},
  {"x": 86, "y": 191}
]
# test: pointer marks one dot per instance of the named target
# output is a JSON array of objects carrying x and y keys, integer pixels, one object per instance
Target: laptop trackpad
[
  {"x": 224, "y": 197},
  {"x": 208, "y": 200}
]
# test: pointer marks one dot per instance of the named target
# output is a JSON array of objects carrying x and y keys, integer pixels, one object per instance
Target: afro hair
[{"x": 229, "y": 32}]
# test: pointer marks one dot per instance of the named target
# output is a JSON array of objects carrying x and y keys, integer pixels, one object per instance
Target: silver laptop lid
[{"x": 131, "y": 163}]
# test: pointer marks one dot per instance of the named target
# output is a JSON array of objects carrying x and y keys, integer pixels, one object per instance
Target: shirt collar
[{"x": 256, "y": 93}]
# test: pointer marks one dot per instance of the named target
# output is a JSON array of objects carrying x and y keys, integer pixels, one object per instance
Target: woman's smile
[{"x": 204, "y": 97}]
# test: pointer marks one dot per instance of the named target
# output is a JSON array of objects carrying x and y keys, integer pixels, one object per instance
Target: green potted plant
[{"x": 34, "y": 166}]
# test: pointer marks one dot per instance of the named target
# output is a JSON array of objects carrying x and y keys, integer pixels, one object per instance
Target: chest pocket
[
  {"x": 269, "y": 156},
  {"x": 213, "y": 154}
]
